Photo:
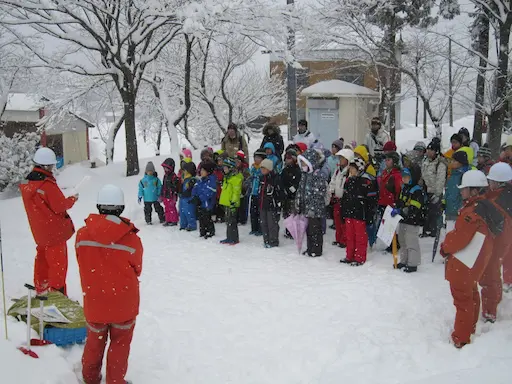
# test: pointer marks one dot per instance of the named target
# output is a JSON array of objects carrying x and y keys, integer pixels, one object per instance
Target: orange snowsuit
[
  {"x": 51, "y": 227},
  {"x": 109, "y": 254},
  {"x": 477, "y": 215}
]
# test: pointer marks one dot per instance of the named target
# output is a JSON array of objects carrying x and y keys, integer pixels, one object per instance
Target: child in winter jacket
[
  {"x": 453, "y": 200},
  {"x": 243, "y": 167},
  {"x": 188, "y": 220},
  {"x": 218, "y": 159},
  {"x": 170, "y": 190},
  {"x": 484, "y": 160},
  {"x": 271, "y": 155},
  {"x": 150, "y": 188},
  {"x": 355, "y": 210},
  {"x": 206, "y": 156},
  {"x": 336, "y": 188},
  {"x": 254, "y": 182},
  {"x": 410, "y": 207},
  {"x": 230, "y": 200},
  {"x": 204, "y": 192},
  {"x": 310, "y": 200},
  {"x": 270, "y": 204},
  {"x": 290, "y": 179}
]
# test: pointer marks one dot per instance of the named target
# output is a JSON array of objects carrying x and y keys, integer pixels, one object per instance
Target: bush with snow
[{"x": 16, "y": 155}]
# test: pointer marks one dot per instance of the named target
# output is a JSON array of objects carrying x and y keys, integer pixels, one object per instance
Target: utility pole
[
  {"x": 450, "y": 81},
  {"x": 416, "y": 71},
  {"x": 291, "y": 78}
]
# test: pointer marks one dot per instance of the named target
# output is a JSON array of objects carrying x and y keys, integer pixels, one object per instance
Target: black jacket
[
  {"x": 412, "y": 200},
  {"x": 275, "y": 139},
  {"x": 271, "y": 192},
  {"x": 290, "y": 178},
  {"x": 355, "y": 203}
]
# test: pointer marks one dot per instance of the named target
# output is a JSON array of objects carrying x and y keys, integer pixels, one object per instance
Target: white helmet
[
  {"x": 45, "y": 156},
  {"x": 347, "y": 154},
  {"x": 110, "y": 195},
  {"x": 500, "y": 172},
  {"x": 474, "y": 179}
]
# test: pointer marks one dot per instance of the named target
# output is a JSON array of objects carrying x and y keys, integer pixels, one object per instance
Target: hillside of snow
[{"x": 217, "y": 314}]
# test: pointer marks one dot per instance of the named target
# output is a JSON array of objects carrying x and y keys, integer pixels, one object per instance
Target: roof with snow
[
  {"x": 25, "y": 102},
  {"x": 322, "y": 55},
  {"x": 338, "y": 88}
]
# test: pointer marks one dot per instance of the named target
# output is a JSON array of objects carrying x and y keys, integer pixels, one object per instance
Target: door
[
  {"x": 324, "y": 123},
  {"x": 55, "y": 143}
]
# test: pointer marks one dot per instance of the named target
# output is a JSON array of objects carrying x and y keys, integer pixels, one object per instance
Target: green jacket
[{"x": 231, "y": 190}]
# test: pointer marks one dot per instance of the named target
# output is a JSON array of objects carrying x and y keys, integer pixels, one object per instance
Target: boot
[{"x": 408, "y": 269}]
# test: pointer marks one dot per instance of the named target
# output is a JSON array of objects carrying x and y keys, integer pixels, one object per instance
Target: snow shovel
[
  {"x": 40, "y": 342},
  {"x": 26, "y": 350}
]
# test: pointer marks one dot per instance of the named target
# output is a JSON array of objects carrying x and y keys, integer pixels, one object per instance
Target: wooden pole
[{"x": 395, "y": 252}]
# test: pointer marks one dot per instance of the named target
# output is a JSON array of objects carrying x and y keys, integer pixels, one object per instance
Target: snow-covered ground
[{"x": 244, "y": 314}]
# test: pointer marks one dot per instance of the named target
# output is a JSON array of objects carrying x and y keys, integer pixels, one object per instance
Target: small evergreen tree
[{"x": 16, "y": 155}]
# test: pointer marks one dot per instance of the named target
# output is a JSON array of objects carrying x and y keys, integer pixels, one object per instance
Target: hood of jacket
[
  {"x": 169, "y": 165},
  {"x": 275, "y": 128},
  {"x": 108, "y": 229},
  {"x": 271, "y": 146},
  {"x": 312, "y": 158},
  {"x": 37, "y": 174},
  {"x": 363, "y": 152}
]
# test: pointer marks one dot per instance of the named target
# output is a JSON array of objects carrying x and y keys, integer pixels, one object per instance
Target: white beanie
[{"x": 267, "y": 164}]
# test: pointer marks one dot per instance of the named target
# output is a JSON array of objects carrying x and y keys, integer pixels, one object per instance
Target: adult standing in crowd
[
  {"x": 467, "y": 142},
  {"x": 272, "y": 134},
  {"x": 376, "y": 138},
  {"x": 304, "y": 135},
  {"x": 49, "y": 221},
  {"x": 434, "y": 170},
  {"x": 234, "y": 142}
]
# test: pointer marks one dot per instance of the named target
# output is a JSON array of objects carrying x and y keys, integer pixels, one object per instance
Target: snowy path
[{"x": 218, "y": 314}]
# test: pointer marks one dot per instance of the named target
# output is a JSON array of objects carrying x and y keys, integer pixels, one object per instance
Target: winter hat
[
  {"x": 233, "y": 126},
  {"x": 240, "y": 155},
  {"x": 456, "y": 137},
  {"x": 347, "y": 154},
  {"x": 407, "y": 172},
  {"x": 291, "y": 154},
  {"x": 302, "y": 146},
  {"x": 260, "y": 153},
  {"x": 395, "y": 157},
  {"x": 389, "y": 146},
  {"x": 338, "y": 144},
  {"x": 461, "y": 157},
  {"x": 464, "y": 132},
  {"x": 434, "y": 146},
  {"x": 484, "y": 152},
  {"x": 150, "y": 167},
  {"x": 190, "y": 167},
  {"x": 420, "y": 146},
  {"x": 303, "y": 122},
  {"x": 229, "y": 162},
  {"x": 186, "y": 153},
  {"x": 169, "y": 164},
  {"x": 359, "y": 164},
  {"x": 363, "y": 152},
  {"x": 208, "y": 166},
  {"x": 267, "y": 164}
]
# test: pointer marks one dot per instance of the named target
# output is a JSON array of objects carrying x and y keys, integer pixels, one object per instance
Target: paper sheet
[
  {"x": 388, "y": 226},
  {"x": 469, "y": 254},
  {"x": 51, "y": 314}
]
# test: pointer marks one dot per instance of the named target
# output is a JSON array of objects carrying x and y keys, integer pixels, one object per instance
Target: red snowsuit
[
  {"x": 109, "y": 254},
  {"x": 51, "y": 227},
  {"x": 390, "y": 185},
  {"x": 463, "y": 280}
]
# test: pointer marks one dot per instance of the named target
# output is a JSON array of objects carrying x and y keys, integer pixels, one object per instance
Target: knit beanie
[
  {"x": 150, "y": 167},
  {"x": 395, "y": 157},
  {"x": 291, "y": 153},
  {"x": 302, "y": 146},
  {"x": 420, "y": 146},
  {"x": 229, "y": 162},
  {"x": 267, "y": 164},
  {"x": 484, "y": 152},
  {"x": 240, "y": 155},
  {"x": 208, "y": 166},
  {"x": 359, "y": 164},
  {"x": 338, "y": 144},
  {"x": 389, "y": 146},
  {"x": 456, "y": 137},
  {"x": 260, "y": 153},
  {"x": 461, "y": 157},
  {"x": 434, "y": 146}
]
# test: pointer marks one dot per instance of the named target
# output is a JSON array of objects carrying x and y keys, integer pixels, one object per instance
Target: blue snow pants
[{"x": 188, "y": 218}]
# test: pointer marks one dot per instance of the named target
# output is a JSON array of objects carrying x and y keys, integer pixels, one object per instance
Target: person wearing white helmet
[
  {"x": 109, "y": 254},
  {"x": 500, "y": 193},
  {"x": 478, "y": 215},
  {"x": 49, "y": 221},
  {"x": 336, "y": 190}
]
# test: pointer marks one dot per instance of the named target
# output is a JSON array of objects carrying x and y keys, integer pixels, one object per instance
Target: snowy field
[{"x": 217, "y": 314}]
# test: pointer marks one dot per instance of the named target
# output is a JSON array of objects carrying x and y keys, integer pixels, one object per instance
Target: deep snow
[{"x": 244, "y": 314}]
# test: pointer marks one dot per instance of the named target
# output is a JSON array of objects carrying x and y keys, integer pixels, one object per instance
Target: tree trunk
[
  {"x": 497, "y": 117},
  {"x": 109, "y": 149},
  {"x": 483, "y": 49},
  {"x": 159, "y": 138},
  {"x": 132, "y": 155}
]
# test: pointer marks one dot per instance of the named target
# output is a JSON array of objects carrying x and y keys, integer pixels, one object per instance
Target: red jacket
[
  {"x": 220, "y": 177},
  {"x": 390, "y": 185},
  {"x": 46, "y": 208},
  {"x": 109, "y": 254}
]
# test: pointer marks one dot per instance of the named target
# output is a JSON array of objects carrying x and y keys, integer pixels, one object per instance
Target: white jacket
[
  {"x": 338, "y": 182},
  {"x": 376, "y": 142},
  {"x": 307, "y": 138}
]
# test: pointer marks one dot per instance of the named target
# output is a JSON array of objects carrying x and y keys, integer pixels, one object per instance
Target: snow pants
[
  {"x": 339, "y": 223},
  {"x": 432, "y": 220},
  {"x": 315, "y": 237},
  {"x": 410, "y": 253},
  {"x": 357, "y": 240},
  {"x": 171, "y": 213},
  {"x": 492, "y": 289},
  {"x": 243, "y": 210},
  {"x": 50, "y": 268},
  {"x": 219, "y": 213},
  {"x": 117, "y": 355},
  {"x": 148, "y": 211},
  {"x": 288, "y": 210},
  {"x": 206, "y": 226},
  {"x": 231, "y": 215},
  {"x": 466, "y": 299},
  {"x": 507, "y": 267},
  {"x": 255, "y": 214},
  {"x": 270, "y": 227},
  {"x": 188, "y": 218}
]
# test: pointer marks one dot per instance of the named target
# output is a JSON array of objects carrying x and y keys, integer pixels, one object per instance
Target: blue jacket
[
  {"x": 255, "y": 180},
  {"x": 275, "y": 160},
  {"x": 206, "y": 191},
  {"x": 333, "y": 161},
  {"x": 150, "y": 188},
  {"x": 453, "y": 198}
]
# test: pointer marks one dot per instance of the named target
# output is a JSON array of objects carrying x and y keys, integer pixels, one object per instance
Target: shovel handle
[{"x": 31, "y": 287}]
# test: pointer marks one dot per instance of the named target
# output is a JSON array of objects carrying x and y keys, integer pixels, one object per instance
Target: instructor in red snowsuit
[
  {"x": 109, "y": 254},
  {"x": 51, "y": 225}
]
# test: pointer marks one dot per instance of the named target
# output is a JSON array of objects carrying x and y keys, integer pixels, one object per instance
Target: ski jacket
[
  {"x": 310, "y": 198},
  {"x": 271, "y": 192},
  {"x": 375, "y": 142},
  {"x": 219, "y": 174},
  {"x": 276, "y": 139},
  {"x": 46, "y": 208},
  {"x": 150, "y": 188},
  {"x": 276, "y": 161},
  {"x": 434, "y": 174},
  {"x": 171, "y": 182},
  {"x": 390, "y": 185},
  {"x": 188, "y": 184},
  {"x": 206, "y": 191},
  {"x": 477, "y": 215},
  {"x": 231, "y": 190},
  {"x": 453, "y": 199},
  {"x": 290, "y": 178},
  {"x": 255, "y": 172},
  {"x": 355, "y": 203},
  {"x": 336, "y": 186},
  {"x": 412, "y": 200},
  {"x": 109, "y": 254},
  {"x": 307, "y": 138}
]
